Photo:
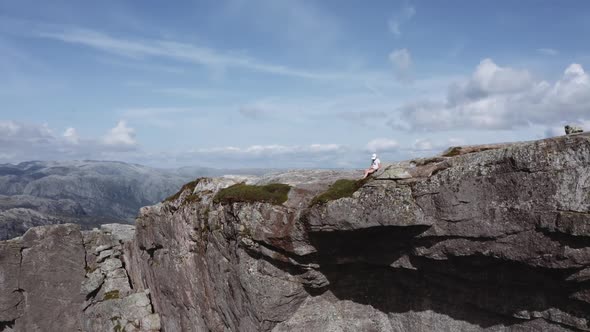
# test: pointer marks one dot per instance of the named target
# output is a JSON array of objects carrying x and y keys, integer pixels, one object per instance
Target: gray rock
[
  {"x": 46, "y": 284},
  {"x": 93, "y": 282},
  {"x": 573, "y": 130},
  {"x": 486, "y": 238},
  {"x": 438, "y": 244},
  {"x": 52, "y": 266},
  {"x": 11, "y": 295}
]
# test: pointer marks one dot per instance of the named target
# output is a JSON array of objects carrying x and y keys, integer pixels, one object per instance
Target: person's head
[{"x": 374, "y": 156}]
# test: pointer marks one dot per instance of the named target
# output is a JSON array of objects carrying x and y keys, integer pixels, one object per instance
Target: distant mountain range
[{"x": 88, "y": 193}]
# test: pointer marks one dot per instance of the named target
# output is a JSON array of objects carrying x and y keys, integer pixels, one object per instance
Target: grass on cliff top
[
  {"x": 274, "y": 193},
  {"x": 191, "y": 185},
  {"x": 339, "y": 189}
]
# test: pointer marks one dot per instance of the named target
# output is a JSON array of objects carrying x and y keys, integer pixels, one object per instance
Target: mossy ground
[
  {"x": 452, "y": 151},
  {"x": 339, "y": 189},
  {"x": 274, "y": 193},
  {"x": 114, "y": 294},
  {"x": 191, "y": 185}
]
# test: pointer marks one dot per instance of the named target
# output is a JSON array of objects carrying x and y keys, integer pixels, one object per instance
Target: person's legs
[{"x": 368, "y": 171}]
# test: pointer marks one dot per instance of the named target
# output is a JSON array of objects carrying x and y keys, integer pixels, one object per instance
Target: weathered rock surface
[
  {"x": 485, "y": 238},
  {"x": 58, "y": 278},
  {"x": 492, "y": 238}
]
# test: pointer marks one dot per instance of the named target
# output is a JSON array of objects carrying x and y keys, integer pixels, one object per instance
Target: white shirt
[{"x": 376, "y": 163}]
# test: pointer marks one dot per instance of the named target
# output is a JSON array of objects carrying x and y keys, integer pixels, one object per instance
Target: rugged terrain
[
  {"x": 489, "y": 238},
  {"x": 89, "y": 193}
]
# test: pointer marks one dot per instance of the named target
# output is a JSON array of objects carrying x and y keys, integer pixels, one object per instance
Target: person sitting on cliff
[{"x": 375, "y": 165}]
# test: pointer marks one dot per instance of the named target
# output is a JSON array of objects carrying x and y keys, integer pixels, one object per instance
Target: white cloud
[
  {"x": 548, "y": 51},
  {"x": 13, "y": 132},
  {"x": 274, "y": 149},
  {"x": 501, "y": 98},
  {"x": 423, "y": 144},
  {"x": 402, "y": 63},
  {"x": 554, "y": 131},
  {"x": 430, "y": 146},
  {"x": 120, "y": 135},
  {"x": 274, "y": 155},
  {"x": 398, "y": 19},
  {"x": 8, "y": 128},
  {"x": 489, "y": 79},
  {"x": 139, "y": 49},
  {"x": 26, "y": 141},
  {"x": 71, "y": 136},
  {"x": 382, "y": 145}
]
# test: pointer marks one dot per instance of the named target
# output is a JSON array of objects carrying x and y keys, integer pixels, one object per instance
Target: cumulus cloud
[
  {"x": 71, "y": 136},
  {"x": 120, "y": 135},
  {"x": 427, "y": 145},
  {"x": 404, "y": 15},
  {"x": 496, "y": 97},
  {"x": 423, "y": 144},
  {"x": 12, "y": 133},
  {"x": 8, "y": 128},
  {"x": 26, "y": 141},
  {"x": 402, "y": 64},
  {"x": 382, "y": 145}
]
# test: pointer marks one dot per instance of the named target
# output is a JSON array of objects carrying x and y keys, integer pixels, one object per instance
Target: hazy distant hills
[{"x": 85, "y": 192}]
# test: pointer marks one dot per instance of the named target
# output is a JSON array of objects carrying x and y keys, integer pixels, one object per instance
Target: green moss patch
[
  {"x": 452, "y": 151},
  {"x": 339, "y": 189},
  {"x": 114, "y": 294},
  {"x": 191, "y": 185},
  {"x": 274, "y": 193}
]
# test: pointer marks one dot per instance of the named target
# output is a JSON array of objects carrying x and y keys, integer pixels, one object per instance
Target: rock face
[
  {"x": 57, "y": 278},
  {"x": 573, "y": 130},
  {"x": 492, "y": 238},
  {"x": 488, "y": 238}
]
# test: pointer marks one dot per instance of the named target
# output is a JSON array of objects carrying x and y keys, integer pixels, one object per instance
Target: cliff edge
[{"x": 486, "y": 238}]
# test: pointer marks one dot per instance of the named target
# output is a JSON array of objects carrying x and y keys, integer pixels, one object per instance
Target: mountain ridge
[{"x": 45, "y": 192}]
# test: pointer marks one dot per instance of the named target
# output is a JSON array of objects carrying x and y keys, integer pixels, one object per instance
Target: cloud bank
[
  {"x": 24, "y": 141},
  {"x": 501, "y": 98}
]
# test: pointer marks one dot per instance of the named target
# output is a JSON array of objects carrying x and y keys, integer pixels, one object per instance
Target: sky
[{"x": 285, "y": 83}]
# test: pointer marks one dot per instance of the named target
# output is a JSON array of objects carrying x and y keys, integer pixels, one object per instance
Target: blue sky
[{"x": 265, "y": 83}]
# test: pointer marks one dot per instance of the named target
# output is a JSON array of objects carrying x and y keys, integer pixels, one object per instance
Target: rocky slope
[
  {"x": 58, "y": 278},
  {"x": 89, "y": 193},
  {"x": 493, "y": 238}
]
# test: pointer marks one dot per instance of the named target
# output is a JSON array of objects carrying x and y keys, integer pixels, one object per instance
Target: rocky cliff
[{"x": 489, "y": 238}]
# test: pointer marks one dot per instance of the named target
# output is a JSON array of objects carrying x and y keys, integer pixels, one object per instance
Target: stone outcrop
[
  {"x": 488, "y": 238},
  {"x": 58, "y": 278},
  {"x": 481, "y": 238},
  {"x": 573, "y": 130}
]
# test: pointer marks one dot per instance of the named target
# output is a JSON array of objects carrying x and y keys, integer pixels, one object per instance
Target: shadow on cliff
[{"x": 480, "y": 290}]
